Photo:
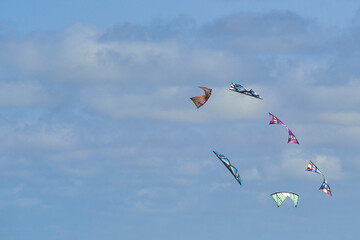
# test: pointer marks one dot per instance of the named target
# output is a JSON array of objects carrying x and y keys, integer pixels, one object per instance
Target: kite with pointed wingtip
[
  {"x": 292, "y": 138},
  {"x": 201, "y": 100},
  {"x": 325, "y": 187},
  {"x": 275, "y": 120},
  {"x": 313, "y": 168},
  {"x": 228, "y": 165},
  {"x": 241, "y": 89},
  {"x": 279, "y": 197}
]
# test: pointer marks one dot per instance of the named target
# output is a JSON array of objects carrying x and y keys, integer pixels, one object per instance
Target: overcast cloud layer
[{"x": 101, "y": 141}]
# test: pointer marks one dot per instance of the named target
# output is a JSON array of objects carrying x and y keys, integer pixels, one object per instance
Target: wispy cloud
[
  {"x": 173, "y": 103},
  {"x": 27, "y": 202},
  {"x": 105, "y": 114},
  {"x": 22, "y": 95},
  {"x": 294, "y": 162},
  {"x": 251, "y": 174},
  {"x": 331, "y": 166},
  {"x": 283, "y": 32}
]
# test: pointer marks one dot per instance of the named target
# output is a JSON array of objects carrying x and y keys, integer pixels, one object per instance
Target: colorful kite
[
  {"x": 313, "y": 168},
  {"x": 201, "y": 100},
  {"x": 325, "y": 187},
  {"x": 279, "y": 197},
  {"x": 231, "y": 168},
  {"x": 241, "y": 89},
  {"x": 275, "y": 120},
  {"x": 292, "y": 138}
]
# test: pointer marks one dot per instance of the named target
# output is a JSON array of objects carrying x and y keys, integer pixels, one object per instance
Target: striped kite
[
  {"x": 279, "y": 197},
  {"x": 324, "y": 186},
  {"x": 201, "y": 100},
  {"x": 313, "y": 168}
]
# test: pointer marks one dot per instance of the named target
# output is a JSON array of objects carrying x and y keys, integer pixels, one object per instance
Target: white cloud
[
  {"x": 141, "y": 80},
  {"x": 251, "y": 174},
  {"x": 219, "y": 186},
  {"x": 18, "y": 188},
  {"x": 22, "y": 95},
  {"x": 342, "y": 118},
  {"x": 330, "y": 166},
  {"x": 146, "y": 192},
  {"x": 294, "y": 162},
  {"x": 338, "y": 98},
  {"x": 272, "y": 32},
  {"x": 27, "y": 202},
  {"x": 79, "y": 172},
  {"x": 173, "y": 103},
  {"x": 77, "y": 55},
  {"x": 40, "y": 137},
  {"x": 301, "y": 72}
]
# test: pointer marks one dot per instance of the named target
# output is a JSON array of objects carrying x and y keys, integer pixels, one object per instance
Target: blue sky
[{"x": 101, "y": 141}]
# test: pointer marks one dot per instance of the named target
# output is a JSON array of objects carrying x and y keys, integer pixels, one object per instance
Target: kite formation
[
  {"x": 279, "y": 197},
  {"x": 275, "y": 120},
  {"x": 324, "y": 186}
]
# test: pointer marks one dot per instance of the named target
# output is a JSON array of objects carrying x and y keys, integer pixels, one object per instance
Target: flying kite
[
  {"x": 279, "y": 197},
  {"x": 275, "y": 120},
  {"x": 292, "y": 138},
  {"x": 313, "y": 168},
  {"x": 227, "y": 164},
  {"x": 241, "y": 89},
  {"x": 324, "y": 186},
  {"x": 201, "y": 100}
]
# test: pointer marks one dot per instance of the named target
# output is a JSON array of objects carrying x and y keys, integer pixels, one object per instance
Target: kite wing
[
  {"x": 279, "y": 197},
  {"x": 325, "y": 187},
  {"x": 201, "y": 100},
  {"x": 313, "y": 168},
  {"x": 292, "y": 138},
  {"x": 241, "y": 89},
  {"x": 275, "y": 120},
  {"x": 231, "y": 168}
]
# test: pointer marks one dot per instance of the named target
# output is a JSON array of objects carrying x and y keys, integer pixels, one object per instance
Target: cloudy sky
[{"x": 100, "y": 141}]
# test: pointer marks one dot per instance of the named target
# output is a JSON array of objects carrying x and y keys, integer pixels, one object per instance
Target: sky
[{"x": 100, "y": 140}]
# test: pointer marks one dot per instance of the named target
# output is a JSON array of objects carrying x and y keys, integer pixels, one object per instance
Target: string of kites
[{"x": 278, "y": 197}]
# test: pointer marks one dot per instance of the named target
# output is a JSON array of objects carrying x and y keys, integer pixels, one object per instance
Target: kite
[
  {"x": 279, "y": 197},
  {"x": 292, "y": 138},
  {"x": 325, "y": 187},
  {"x": 241, "y": 89},
  {"x": 201, "y": 100},
  {"x": 275, "y": 120},
  {"x": 231, "y": 168},
  {"x": 313, "y": 168}
]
